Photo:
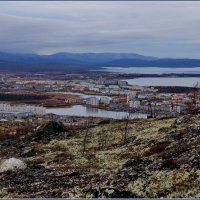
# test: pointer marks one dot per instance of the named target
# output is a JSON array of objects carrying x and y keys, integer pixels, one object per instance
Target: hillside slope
[{"x": 159, "y": 158}]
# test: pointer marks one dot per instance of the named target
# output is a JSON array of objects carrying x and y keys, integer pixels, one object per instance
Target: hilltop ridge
[{"x": 86, "y": 61}]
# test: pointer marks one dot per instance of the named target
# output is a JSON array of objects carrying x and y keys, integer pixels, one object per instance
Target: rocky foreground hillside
[{"x": 142, "y": 158}]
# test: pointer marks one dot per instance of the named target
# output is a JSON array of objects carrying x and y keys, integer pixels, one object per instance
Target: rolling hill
[{"x": 86, "y": 61}]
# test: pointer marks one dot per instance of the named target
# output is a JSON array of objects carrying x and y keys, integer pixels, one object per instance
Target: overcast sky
[{"x": 164, "y": 29}]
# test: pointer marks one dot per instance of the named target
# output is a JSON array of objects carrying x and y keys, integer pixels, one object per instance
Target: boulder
[{"x": 12, "y": 164}]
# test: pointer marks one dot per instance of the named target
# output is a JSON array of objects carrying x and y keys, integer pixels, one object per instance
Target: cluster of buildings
[
  {"x": 112, "y": 87},
  {"x": 8, "y": 111},
  {"x": 112, "y": 94},
  {"x": 161, "y": 103}
]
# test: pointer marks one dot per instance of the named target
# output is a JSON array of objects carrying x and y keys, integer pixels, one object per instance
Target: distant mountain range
[{"x": 84, "y": 61}]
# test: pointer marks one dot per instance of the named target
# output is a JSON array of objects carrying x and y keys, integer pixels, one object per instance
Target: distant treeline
[
  {"x": 16, "y": 97},
  {"x": 174, "y": 89}
]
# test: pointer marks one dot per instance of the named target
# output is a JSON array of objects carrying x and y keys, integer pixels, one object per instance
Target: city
[
  {"x": 99, "y": 99},
  {"x": 111, "y": 95}
]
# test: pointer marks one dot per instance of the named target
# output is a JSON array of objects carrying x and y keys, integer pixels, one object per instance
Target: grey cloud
[{"x": 167, "y": 29}]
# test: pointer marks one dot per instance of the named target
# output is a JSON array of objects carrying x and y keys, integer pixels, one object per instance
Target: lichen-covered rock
[
  {"x": 46, "y": 132},
  {"x": 27, "y": 152},
  {"x": 12, "y": 164},
  {"x": 133, "y": 169},
  {"x": 176, "y": 135},
  {"x": 183, "y": 119},
  {"x": 3, "y": 193},
  {"x": 111, "y": 192}
]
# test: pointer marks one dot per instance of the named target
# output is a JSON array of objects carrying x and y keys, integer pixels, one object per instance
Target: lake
[
  {"x": 79, "y": 110},
  {"x": 164, "y": 81},
  {"x": 159, "y": 81},
  {"x": 151, "y": 70}
]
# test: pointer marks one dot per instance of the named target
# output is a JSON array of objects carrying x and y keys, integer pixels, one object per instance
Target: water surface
[
  {"x": 164, "y": 81},
  {"x": 79, "y": 110},
  {"x": 151, "y": 70}
]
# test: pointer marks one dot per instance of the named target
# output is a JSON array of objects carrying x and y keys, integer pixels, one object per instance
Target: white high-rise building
[
  {"x": 22, "y": 109},
  {"x": 92, "y": 101},
  {"x": 105, "y": 100}
]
